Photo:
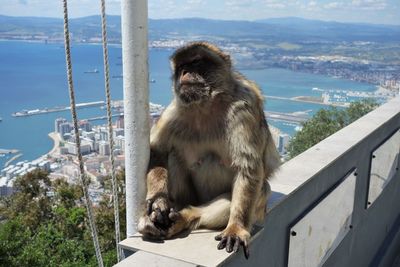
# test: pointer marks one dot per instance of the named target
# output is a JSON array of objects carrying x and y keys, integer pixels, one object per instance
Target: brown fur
[{"x": 211, "y": 152}]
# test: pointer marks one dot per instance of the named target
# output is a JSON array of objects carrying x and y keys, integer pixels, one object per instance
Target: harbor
[
  {"x": 308, "y": 99},
  {"x": 8, "y": 151},
  {"x": 24, "y": 113},
  {"x": 286, "y": 117},
  {"x": 104, "y": 117}
]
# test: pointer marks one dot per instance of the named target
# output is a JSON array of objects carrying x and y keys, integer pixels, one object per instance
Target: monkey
[{"x": 211, "y": 152}]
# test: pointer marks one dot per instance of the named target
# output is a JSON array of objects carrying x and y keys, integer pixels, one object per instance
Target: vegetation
[
  {"x": 44, "y": 224},
  {"x": 326, "y": 122}
]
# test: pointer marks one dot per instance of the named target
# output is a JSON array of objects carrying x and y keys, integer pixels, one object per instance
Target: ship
[{"x": 92, "y": 71}]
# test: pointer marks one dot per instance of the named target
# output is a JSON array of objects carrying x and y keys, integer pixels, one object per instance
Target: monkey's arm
[
  {"x": 246, "y": 141},
  {"x": 155, "y": 218}
]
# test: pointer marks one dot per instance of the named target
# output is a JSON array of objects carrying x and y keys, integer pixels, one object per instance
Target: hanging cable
[
  {"x": 110, "y": 129},
  {"x": 83, "y": 180}
]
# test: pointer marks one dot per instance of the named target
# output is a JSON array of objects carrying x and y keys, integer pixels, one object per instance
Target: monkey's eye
[{"x": 196, "y": 62}]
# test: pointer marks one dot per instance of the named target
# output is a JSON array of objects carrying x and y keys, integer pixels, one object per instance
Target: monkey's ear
[
  {"x": 215, "y": 49},
  {"x": 227, "y": 59}
]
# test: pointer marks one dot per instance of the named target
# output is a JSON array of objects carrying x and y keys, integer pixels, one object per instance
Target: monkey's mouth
[{"x": 193, "y": 92}]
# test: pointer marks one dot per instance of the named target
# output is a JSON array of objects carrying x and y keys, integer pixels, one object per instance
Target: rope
[
  {"x": 83, "y": 180},
  {"x": 110, "y": 129}
]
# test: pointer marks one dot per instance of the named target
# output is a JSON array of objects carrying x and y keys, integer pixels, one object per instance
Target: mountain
[
  {"x": 271, "y": 30},
  {"x": 332, "y": 30}
]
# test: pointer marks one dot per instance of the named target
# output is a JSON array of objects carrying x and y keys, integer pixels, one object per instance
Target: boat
[
  {"x": 21, "y": 113},
  {"x": 152, "y": 81},
  {"x": 1, "y": 119},
  {"x": 92, "y": 71}
]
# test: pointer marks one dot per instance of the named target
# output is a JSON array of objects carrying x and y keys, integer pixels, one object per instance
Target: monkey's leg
[
  {"x": 212, "y": 215},
  {"x": 244, "y": 210},
  {"x": 155, "y": 217},
  {"x": 165, "y": 183}
]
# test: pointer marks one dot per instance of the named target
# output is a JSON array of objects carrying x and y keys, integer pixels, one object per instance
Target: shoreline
[
  {"x": 12, "y": 159},
  {"x": 56, "y": 147}
]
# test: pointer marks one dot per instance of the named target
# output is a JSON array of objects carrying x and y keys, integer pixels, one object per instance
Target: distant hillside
[{"x": 272, "y": 30}]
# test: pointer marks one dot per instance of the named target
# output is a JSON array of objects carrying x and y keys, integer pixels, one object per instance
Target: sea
[{"x": 33, "y": 76}]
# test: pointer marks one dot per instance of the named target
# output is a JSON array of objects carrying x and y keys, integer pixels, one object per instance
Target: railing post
[{"x": 134, "y": 18}]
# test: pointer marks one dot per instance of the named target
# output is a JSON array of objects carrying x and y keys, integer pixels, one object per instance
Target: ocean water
[{"x": 33, "y": 75}]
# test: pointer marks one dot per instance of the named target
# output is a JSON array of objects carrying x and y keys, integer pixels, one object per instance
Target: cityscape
[{"x": 61, "y": 162}]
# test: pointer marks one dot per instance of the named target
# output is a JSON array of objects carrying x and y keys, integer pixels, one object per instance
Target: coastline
[
  {"x": 12, "y": 159},
  {"x": 56, "y": 147}
]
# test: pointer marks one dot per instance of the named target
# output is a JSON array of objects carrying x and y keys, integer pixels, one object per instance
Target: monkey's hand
[
  {"x": 157, "y": 209},
  {"x": 233, "y": 237},
  {"x": 155, "y": 222},
  {"x": 149, "y": 230}
]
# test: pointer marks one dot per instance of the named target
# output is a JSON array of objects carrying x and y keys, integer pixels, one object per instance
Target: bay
[{"x": 33, "y": 75}]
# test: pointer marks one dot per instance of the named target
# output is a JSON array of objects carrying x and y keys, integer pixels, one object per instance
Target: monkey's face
[
  {"x": 191, "y": 85},
  {"x": 197, "y": 73}
]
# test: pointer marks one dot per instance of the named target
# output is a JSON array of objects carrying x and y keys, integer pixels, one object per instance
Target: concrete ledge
[
  {"x": 199, "y": 247},
  {"x": 142, "y": 258}
]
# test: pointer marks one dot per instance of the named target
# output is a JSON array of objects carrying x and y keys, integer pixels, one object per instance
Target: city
[{"x": 61, "y": 161}]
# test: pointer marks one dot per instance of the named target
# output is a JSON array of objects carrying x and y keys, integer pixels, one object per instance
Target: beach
[{"x": 56, "y": 147}]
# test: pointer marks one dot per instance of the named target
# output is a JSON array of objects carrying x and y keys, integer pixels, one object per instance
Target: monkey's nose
[{"x": 186, "y": 77}]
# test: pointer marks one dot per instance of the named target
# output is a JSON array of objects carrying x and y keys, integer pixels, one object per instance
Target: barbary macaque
[{"x": 211, "y": 152}]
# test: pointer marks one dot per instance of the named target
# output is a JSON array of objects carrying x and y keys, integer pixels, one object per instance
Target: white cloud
[
  {"x": 274, "y": 4},
  {"x": 239, "y": 3},
  {"x": 369, "y": 4},
  {"x": 357, "y": 5},
  {"x": 195, "y": 2},
  {"x": 334, "y": 5},
  {"x": 312, "y": 4}
]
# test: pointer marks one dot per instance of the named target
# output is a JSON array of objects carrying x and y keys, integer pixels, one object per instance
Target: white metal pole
[{"x": 134, "y": 18}]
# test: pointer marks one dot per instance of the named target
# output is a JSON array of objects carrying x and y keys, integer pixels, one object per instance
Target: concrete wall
[{"x": 368, "y": 237}]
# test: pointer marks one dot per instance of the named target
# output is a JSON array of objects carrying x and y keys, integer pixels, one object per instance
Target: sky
[{"x": 365, "y": 11}]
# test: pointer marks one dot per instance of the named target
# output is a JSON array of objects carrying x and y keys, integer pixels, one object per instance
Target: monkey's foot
[
  {"x": 232, "y": 238},
  {"x": 179, "y": 223},
  {"x": 149, "y": 230},
  {"x": 158, "y": 209}
]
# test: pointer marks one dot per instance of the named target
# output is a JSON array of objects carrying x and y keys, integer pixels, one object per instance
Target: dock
[
  {"x": 104, "y": 117},
  {"x": 12, "y": 159},
  {"x": 286, "y": 117},
  {"x": 8, "y": 151},
  {"x": 25, "y": 113},
  {"x": 304, "y": 99}
]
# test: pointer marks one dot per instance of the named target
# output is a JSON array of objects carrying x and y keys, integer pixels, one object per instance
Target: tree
[
  {"x": 45, "y": 224},
  {"x": 31, "y": 202},
  {"x": 326, "y": 122}
]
